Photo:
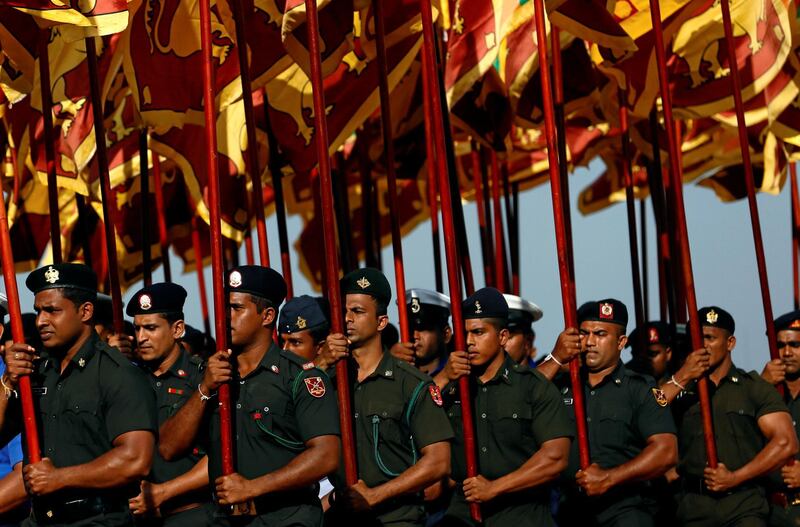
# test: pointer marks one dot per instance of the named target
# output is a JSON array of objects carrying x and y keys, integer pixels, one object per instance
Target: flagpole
[
  {"x": 795, "y": 233},
  {"x": 29, "y": 412},
  {"x": 563, "y": 239},
  {"x": 515, "y": 247},
  {"x": 433, "y": 186},
  {"x": 682, "y": 231},
  {"x": 161, "y": 218},
  {"x": 487, "y": 212},
  {"x": 755, "y": 220},
  {"x": 144, "y": 194},
  {"x": 511, "y": 272},
  {"x": 480, "y": 207},
  {"x": 501, "y": 279},
  {"x": 250, "y": 126},
  {"x": 643, "y": 244},
  {"x": 105, "y": 186},
  {"x": 217, "y": 266},
  {"x": 49, "y": 146},
  {"x": 329, "y": 233}
]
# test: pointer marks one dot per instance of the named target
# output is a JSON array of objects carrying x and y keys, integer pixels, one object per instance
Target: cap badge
[
  {"x": 51, "y": 275},
  {"x": 235, "y": 279},
  {"x": 145, "y": 302},
  {"x": 653, "y": 336},
  {"x": 478, "y": 308},
  {"x": 415, "y": 307},
  {"x": 301, "y": 323},
  {"x": 711, "y": 317},
  {"x": 363, "y": 283},
  {"x": 606, "y": 310},
  {"x": 795, "y": 324}
]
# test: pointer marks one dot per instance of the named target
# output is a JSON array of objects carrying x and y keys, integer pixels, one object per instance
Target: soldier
[
  {"x": 753, "y": 433},
  {"x": 523, "y": 430},
  {"x": 303, "y": 327},
  {"x": 785, "y": 501},
  {"x": 285, "y": 415},
  {"x": 97, "y": 417},
  {"x": 428, "y": 315},
  {"x": 401, "y": 431},
  {"x": 521, "y": 337},
  {"x": 631, "y": 432},
  {"x": 176, "y": 491},
  {"x": 651, "y": 350}
]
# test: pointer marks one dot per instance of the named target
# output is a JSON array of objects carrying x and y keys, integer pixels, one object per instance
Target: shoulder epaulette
[
  {"x": 297, "y": 360},
  {"x": 407, "y": 368}
]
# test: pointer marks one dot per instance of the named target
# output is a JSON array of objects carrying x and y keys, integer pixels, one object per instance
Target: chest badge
[
  {"x": 661, "y": 397},
  {"x": 175, "y": 391},
  {"x": 436, "y": 395},
  {"x": 315, "y": 386}
]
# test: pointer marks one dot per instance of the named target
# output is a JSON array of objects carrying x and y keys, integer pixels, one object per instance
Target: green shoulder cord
[
  {"x": 287, "y": 443},
  {"x": 376, "y": 421}
]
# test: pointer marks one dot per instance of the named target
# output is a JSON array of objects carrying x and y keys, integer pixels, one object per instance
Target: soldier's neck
[
  {"x": 718, "y": 373},
  {"x": 72, "y": 350},
  {"x": 251, "y": 354},
  {"x": 596, "y": 377},
  {"x": 492, "y": 367},
  {"x": 168, "y": 361},
  {"x": 794, "y": 386},
  {"x": 368, "y": 356}
]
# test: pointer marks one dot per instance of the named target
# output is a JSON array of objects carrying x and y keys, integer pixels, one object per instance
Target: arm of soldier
[
  {"x": 404, "y": 351},
  {"x": 176, "y": 436},
  {"x": 336, "y": 347},
  {"x": 19, "y": 360},
  {"x": 320, "y": 458},
  {"x": 153, "y": 495},
  {"x": 544, "y": 466},
  {"x": 456, "y": 367},
  {"x": 695, "y": 365},
  {"x": 12, "y": 490},
  {"x": 781, "y": 445},
  {"x": 127, "y": 462},
  {"x": 568, "y": 346}
]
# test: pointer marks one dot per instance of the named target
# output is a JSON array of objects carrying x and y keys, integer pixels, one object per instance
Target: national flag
[{"x": 590, "y": 20}]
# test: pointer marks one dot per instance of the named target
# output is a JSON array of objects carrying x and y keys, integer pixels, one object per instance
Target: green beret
[
  {"x": 367, "y": 281},
  {"x": 63, "y": 275},
  {"x": 157, "y": 298},
  {"x": 485, "y": 303},
  {"x": 608, "y": 310},
  {"x": 259, "y": 281}
]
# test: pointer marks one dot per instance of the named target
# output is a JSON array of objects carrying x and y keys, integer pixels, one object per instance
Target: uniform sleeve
[
  {"x": 766, "y": 397},
  {"x": 316, "y": 410},
  {"x": 130, "y": 402},
  {"x": 550, "y": 416},
  {"x": 14, "y": 449},
  {"x": 651, "y": 418},
  {"x": 429, "y": 422}
]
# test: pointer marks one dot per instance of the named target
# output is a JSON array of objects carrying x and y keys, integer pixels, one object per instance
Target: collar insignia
[
  {"x": 81, "y": 362},
  {"x": 235, "y": 279},
  {"x": 363, "y": 283},
  {"x": 415, "y": 307},
  {"x": 388, "y": 373},
  {"x": 274, "y": 369},
  {"x": 51, "y": 275},
  {"x": 711, "y": 317},
  {"x": 145, "y": 302},
  {"x": 301, "y": 323},
  {"x": 606, "y": 310}
]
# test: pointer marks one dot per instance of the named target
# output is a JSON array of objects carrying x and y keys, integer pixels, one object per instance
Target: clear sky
[{"x": 722, "y": 251}]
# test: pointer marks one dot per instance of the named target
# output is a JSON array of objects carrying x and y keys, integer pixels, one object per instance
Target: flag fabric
[
  {"x": 76, "y": 20},
  {"x": 592, "y": 21}
]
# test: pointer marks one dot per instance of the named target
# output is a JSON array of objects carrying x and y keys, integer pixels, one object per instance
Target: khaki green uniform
[
  {"x": 277, "y": 408},
  {"x": 99, "y": 397},
  {"x": 515, "y": 412},
  {"x": 173, "y": 388},
  {"x": 397, "y": 413},
  {"x": 622, "y": 412},
  {"x": 784, "y": 509},
  {"x": 737, "y": 403}
]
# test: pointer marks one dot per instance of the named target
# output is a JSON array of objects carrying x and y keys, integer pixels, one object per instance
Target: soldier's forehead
[{"x": 789, "y": 334}]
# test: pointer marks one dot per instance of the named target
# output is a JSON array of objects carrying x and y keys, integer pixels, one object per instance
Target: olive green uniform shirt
[
  {"x": 515, "y": 412},
  {"x": 277, "y": 408},
  {"x": 622, "y": 412}
]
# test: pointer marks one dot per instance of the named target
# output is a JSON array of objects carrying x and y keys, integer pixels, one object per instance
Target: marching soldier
[
  {"x": 286, "y": 420},
  {"x": 428, "y": 316},
  {"x": 303, "y": 327},
  {"x": 631, "y": 432},
  {"x": 521, "y": 336},
  {"x": 401, "y": 431},
  {"x": 523, "y": 430},
  {"x": 785, "y": 502},
  {"x": 753, "y": 432},
  {"x": 96, "y": 412},
  {"x": 176, "y": 491},
  {"x": 651, "y": 350}
]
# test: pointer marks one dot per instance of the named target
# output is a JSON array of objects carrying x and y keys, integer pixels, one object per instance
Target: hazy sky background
[{"x": 721, "y": 243}]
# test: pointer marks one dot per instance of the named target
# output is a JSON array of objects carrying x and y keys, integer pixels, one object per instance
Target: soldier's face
[
  {"x": 429, "y": 344},
  {"x": 484, "y": 341},
  {"x": 58, "y": 320},
  {"x": 362, "y": 322},
  {"x": 246, "y": 321},
  {"x": 719, "y": 344},
  {"x": 789, "y": 349},
  {"x": 602, "y": 343},
  {"x": 301, "y": 344},
  {"x": 658, "y": 356},
  {"x": 519, "y": 346},
  {"x": 155, "y": 337}
]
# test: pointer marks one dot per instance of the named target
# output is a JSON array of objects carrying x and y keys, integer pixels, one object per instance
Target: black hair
[
  {"x": 381, "y": 307},
  {"x": 498, "y": 323},
  {"x": 79, "y": 296},
  {"x": 320, "y": 333},
  {"x": 261, "y": 303},
  {"x": 172, "y": 317}
]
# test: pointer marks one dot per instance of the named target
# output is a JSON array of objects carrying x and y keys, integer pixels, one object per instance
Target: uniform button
[
  {"x": 588, "y": 419},
  {"x": 514, "y": 416},
  {"x": 158, "y": 383},
  {"x": 385, "y": 414},
  {"x": 356, "y": 415},
  {"x": 59, "y": 386},
  {"x": 592, "y": 392},
  {"x": 238, "y": 406},
  {"x": 241, "y": 382},
  {"x": 358, "y": 388},
  {"x": 174, "y": 405},
  {"x": 50, "y": 450},
  {"x": 484, "y": 389},
  {"x": 741, "y": 412},
  {"x": 483, "y": 449},
  {"x": 483, "y": 416},
  {"x": 54, "y": 416},
  {"x": 266, "y": 409}
]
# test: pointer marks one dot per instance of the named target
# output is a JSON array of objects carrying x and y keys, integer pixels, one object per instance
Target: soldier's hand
[
  {"x": 19, "y": 360},
  {"x": 696, "y": 364},
  {"x": 479, "y": 489},
  {"x": 457, "y": 365},
  {"x": 233, "y": 489},
  {"x": 774, "y": 372},
  {"x": 124, "y": 343},
  {"x": 719, "y": 479},
  {"x": 218, "y": 371},
  {"x": 404, "y": 351},
  {"x": 568, "y": 345},
  {"x": 336, "y": 347},
  {"x": 594, "y": 480},
  {"x": 41, "y": 478},
  {"x": 149, "y": 499},
  {"x": 356, "y": 498},
  {"x": 791, "y": 475}
]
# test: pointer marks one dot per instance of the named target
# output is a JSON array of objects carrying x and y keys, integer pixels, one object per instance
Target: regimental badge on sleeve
[
  {"x": 436, "y": 395},
  {"x": 660, "y": 396},
  {"x": 315, "y": 386}
]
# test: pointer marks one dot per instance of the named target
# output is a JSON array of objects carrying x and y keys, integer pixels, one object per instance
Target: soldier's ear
[
  {"x": 268, "y": 316},
  {"x": 178, "y": 329},
  {"x": 623, "y": 339},
  {"x": 87, "y": 311},
  {"x": 448, "y": 334},
  {"x": 383, "y": 321},
  {"x": 731, "y": 342},
  {"x": 503, "y": 334}
]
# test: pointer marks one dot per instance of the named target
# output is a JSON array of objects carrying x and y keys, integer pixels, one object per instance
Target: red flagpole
[
  {"x": 795, "y": 233},
  {"x": 221, "y": 330},
  {"x": 250, "y": 126},
  {"x": 391, "y": 178},
  {"x": 29, "y": 411},
  {"x": 501, "y": 279},
  {"x": 431, "y": 77},
  {"x": 433, "y": 185},
  {"x": 477, "y": 181},
  {"x": 161, "y": 218},
  {"x": 755, "y": 221},
  {"x": 645, "y": 281},
  {"x": 144, "y": 193},
  {"x": 682, "y": 231},
  {"x": 105, "y": 186},
  {"x": 563, "y": 240},
  {"x": 49, "y": 146},
  {"x": 515, "y": 248},
  {"x": 329, "y": 233}
]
